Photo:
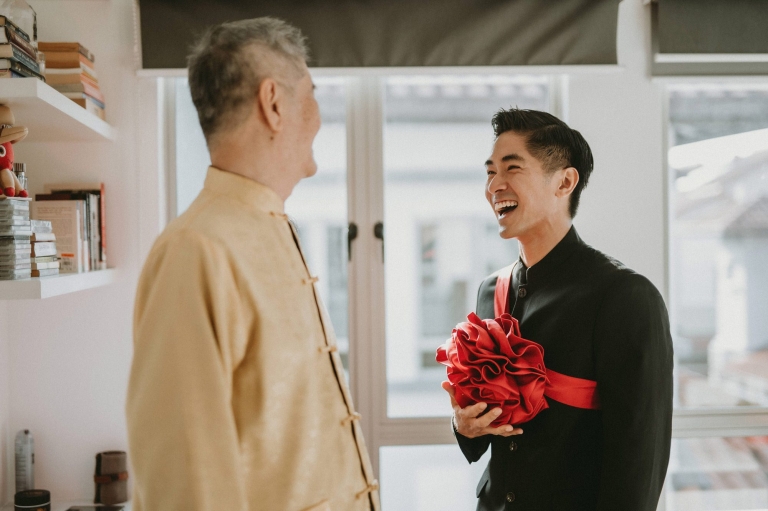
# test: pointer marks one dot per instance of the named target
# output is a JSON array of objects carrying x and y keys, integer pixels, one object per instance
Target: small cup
[{"x": 32, "y": 500}]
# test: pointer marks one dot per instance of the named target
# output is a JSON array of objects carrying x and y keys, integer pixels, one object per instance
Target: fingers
[
  {"x": 471, "y": 412},
  {"x": 449, "y": 389},
  {"x": 485, "y": 421},
  {"x": 507, "y": 430}
]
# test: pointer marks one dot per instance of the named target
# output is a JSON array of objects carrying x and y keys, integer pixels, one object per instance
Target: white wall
[
  {"x": 69, "y": 356},
  {"x": 621, "y": 116}
]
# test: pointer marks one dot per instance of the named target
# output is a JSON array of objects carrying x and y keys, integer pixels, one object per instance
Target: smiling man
[{"x": 596, "y": 320}]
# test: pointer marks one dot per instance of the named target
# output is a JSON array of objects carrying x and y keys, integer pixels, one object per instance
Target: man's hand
[{"x": 467, "y": 422}]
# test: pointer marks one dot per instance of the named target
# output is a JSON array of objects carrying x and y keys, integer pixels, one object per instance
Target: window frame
[{"x": 365, "y": 192}]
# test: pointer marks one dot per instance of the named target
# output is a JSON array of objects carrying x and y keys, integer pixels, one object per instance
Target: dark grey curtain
[
  {"x": 401, "y": 33},
  {"x": 713, "y": 26}
]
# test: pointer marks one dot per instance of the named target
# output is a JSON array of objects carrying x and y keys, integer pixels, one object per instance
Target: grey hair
[{"x": 229, "y": 62}]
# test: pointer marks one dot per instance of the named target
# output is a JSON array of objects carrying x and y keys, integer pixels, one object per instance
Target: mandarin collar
[
  {"x": 562, "y": 251},
  {"x": 242, "y": 189}
]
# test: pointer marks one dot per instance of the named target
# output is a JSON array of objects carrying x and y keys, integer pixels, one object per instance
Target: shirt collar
[
  {"x": 242, "y": 189},
  {"x": 551, "y": 261}
]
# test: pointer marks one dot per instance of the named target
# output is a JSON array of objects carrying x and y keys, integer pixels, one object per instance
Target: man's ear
[
  {"x": 270, "y": 101},
  {"x": 569, "y": 178}
]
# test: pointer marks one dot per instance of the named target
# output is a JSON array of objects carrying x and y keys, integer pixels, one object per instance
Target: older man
[{"x": 237, "y": 397}]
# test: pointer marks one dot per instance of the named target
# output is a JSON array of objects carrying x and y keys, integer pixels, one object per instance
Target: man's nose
[{"x": 496, "y": 184}]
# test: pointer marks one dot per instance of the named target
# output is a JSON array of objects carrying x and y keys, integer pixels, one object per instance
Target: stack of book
[
  {"x": 18, "y": 58},
  {"x": 45, "y": 261},
  {"x": 15, "y": 245},
  {"x": 69, "y": 69},
  {"x": 76, "y": 212}
]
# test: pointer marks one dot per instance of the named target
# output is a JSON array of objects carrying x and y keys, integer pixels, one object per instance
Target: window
[
  {"x": 406, "y": 152},
  {"x": 718, "y": 191}
]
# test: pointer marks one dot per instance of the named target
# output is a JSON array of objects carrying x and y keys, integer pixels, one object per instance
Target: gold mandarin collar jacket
[{"x": 237, "y": 397}]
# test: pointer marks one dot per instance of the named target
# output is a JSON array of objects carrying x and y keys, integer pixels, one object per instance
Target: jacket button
[
  {"x": 512, "y": 446},
  {"x": 522, "y": 292},
  {"x": 510, "y": 497}
]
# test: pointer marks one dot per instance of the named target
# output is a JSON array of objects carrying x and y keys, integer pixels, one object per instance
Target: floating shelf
[
  {"x": 46, "y": 287},
  {"x": 63, "y": 506},
  {"x": 49, "y": 115}
]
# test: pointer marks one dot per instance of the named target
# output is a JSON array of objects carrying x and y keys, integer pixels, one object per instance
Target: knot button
[
  {"x": 510, "y": 497},
  {"x": 521, "y": 292},
  {"x": 513, "y": 446}
]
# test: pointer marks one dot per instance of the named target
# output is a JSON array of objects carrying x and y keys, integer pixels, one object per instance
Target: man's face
[
  {"x": 305, "y": 117},
  {"x": 520, "y": 190}
]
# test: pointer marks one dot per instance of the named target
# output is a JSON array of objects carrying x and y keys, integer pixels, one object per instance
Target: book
[
  {"x": 66, "y": 48},
  {"x": 63, "y": 60},
  {"x": 43, "y": 236},
  {"x": 20, "y": 265},
  {"x": 20, "y": 69},
  {"x": 59, "y": 79},
  {"x": 41, "y": 226},
  {"x": 9, "y": 35},
  {"x": 65, "y": 216},
  {"x": 45, "y": 259},
  {"x": 44, "y": 266},
  {"x": 9, "y": 203},
  {"x": 15, "y": 274},
  {"x": 93, "y": 106},
  {"x": 81, "y": 95},
  {"x": 45, "y": 273},
  {"x": 95, "y": 188},
  {"x": 5, "y": 22},
  {"x": 83, "y": 68},
  {"x": 13, "y": 52},
  {"x": 45, "y": 249},
  {"x": 86, "y": 88}
]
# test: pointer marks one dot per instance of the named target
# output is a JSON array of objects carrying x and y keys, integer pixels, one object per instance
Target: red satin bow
[{"x": 489, "y": 361}]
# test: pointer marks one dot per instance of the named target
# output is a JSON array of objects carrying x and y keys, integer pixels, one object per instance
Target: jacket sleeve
[
  {"x": 187, "y": 341},
  {"x": 633, "y": 355},
  {"x": 472, "y": 448}
]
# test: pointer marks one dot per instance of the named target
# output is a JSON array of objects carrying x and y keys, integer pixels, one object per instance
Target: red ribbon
[{"x": 571, "y": 391}]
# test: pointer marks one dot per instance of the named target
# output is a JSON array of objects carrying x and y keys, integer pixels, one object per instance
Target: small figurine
[{"x": 9, "y": 135}]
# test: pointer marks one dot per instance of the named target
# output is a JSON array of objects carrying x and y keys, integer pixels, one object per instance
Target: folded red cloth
[{"x": 489, "y": 361}]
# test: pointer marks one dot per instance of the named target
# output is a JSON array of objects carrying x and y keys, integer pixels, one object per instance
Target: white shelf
[
  {"x": 49, "y": 115},
  {"x": 63, "y": 506},
  {"x": 46, "y": 287}
]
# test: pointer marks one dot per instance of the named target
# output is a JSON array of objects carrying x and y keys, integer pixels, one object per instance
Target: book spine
[
  {"x": 21, "y": 43},
  {"x": 5, "y": 22},
  {"x": 23, "y": 58},
  {"x": 25, "y": 71},
  {"x": 66, "y": 220}
]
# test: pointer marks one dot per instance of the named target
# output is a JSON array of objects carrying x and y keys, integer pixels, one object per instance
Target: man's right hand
[{"x": 467, "y": 422}]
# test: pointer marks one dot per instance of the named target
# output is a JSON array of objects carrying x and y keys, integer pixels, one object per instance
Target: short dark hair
[
  {"x": 550, "y": 141},
  {"x": 229, "y": 61}
]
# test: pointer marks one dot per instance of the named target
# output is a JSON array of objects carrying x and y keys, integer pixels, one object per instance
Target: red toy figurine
[{"x": 9, "y": 135}]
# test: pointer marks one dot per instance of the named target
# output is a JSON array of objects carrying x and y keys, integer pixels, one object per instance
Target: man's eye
[{"x": 490, "y": 172}]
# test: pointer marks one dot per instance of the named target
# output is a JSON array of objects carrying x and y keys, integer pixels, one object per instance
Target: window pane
[
  {"x": 441, "y": 234},
  {"x": 718, "y": 474},
  {"x": 428, "y": 478},
  {"x": 719, "y": 239},
  {"x": 318, "y": 205}
]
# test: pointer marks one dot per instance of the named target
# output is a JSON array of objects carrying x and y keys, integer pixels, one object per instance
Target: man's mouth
[{"x": 504, "y": 207}]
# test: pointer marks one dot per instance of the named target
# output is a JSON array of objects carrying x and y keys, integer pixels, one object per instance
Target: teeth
[{"x": 505, "y": 204}]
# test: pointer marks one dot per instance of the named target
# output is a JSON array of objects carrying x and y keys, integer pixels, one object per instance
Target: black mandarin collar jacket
[{"x": 598, "y": 320}]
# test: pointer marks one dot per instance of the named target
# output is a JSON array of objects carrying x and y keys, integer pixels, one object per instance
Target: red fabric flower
[{"x": 488, "y": 361}]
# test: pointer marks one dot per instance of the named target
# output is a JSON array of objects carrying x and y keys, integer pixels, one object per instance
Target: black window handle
[
  {"x": 378, "y": 231},
  {"x": 351, "y": 236}
]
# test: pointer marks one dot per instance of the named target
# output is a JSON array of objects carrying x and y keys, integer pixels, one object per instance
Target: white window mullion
[{"x": 366, "y": 272}]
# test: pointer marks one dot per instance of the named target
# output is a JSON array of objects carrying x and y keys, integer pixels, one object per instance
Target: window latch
[
  {"x": 378, "y": 231},
  {"x": 351, "y": 236}
]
